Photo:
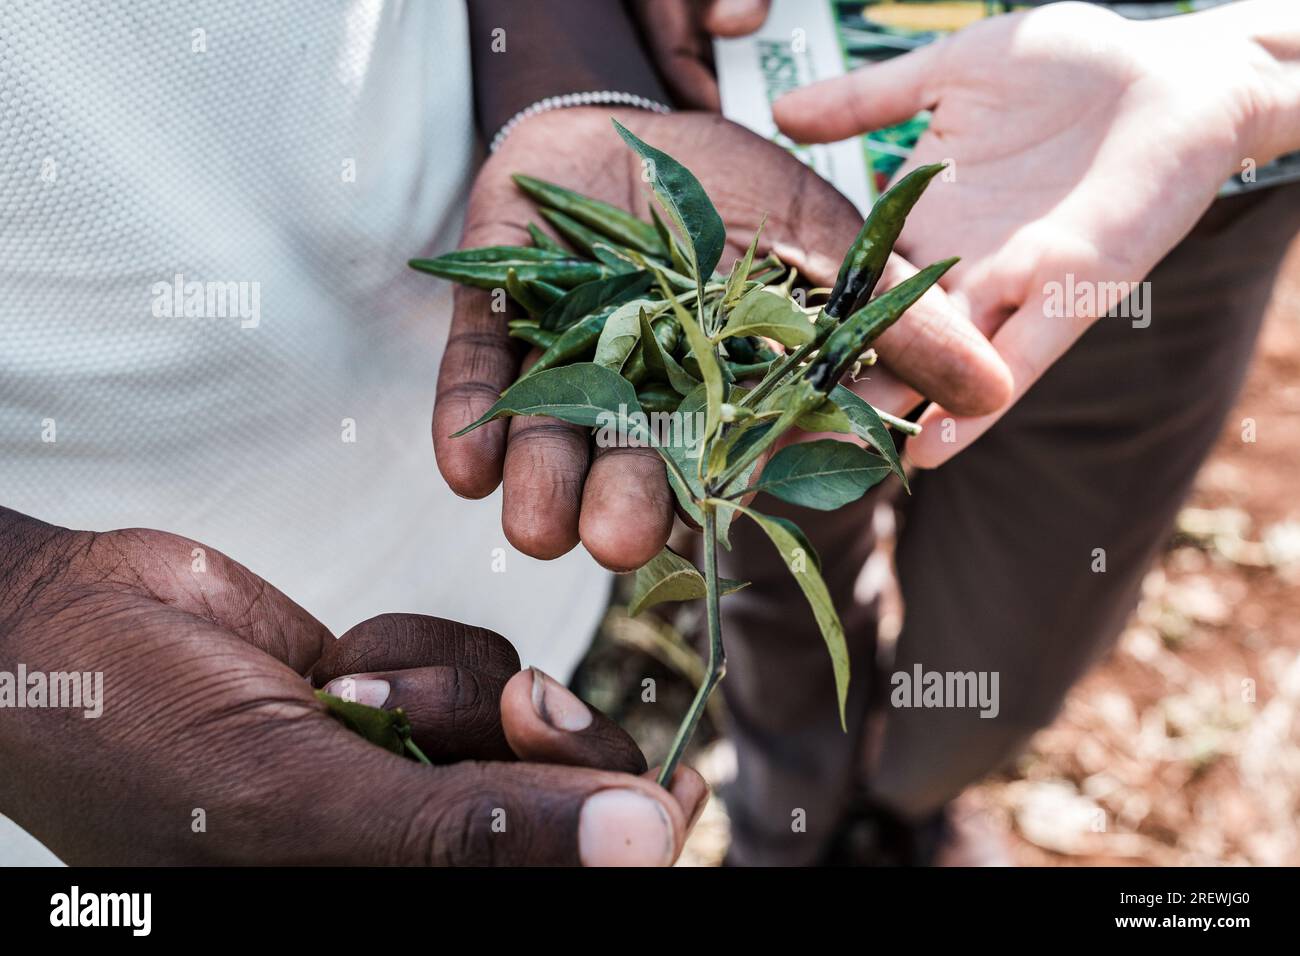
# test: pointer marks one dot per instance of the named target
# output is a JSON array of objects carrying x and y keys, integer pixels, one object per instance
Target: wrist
[
  {"x": 525, "y": 53},
  {"x": 607, "y": 98},
  {"x": 1263, "y": 38},
  {"x": 1273, "y": 117}
]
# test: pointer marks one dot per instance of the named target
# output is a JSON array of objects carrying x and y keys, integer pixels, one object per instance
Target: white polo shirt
[{"x": 283, "y": 159}]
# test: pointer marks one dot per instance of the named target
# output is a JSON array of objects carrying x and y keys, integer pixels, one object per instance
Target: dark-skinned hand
[
  {"x": 558, "y": 490},
  {"x": 207, "y": 708}
]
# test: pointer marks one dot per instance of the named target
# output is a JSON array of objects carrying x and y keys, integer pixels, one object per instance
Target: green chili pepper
[
  {"x": 866, "y": 258},
  {"x": 851, "y": 338},
  {"x": 522, "y": 293},
  {"x": 564, "y": 273},
  {"x": 550, "y": 294},
  {"x": 390, "y": 729},
  {"x": 747, "y": 350},
  {"x": 542, "y": 241},
  {"x": 506, "y": 255},
  {"x": 657, "y": 346},
  {"x": 658, "y": 397},
  {"x": 587, "y": 298},
  {"x": 605, "y": 253},
  {"x": 575, "y": 233},
  {"x": 533, "y": 335},
  {"x": 749, "y": 370},
  {"x": 612, "y": 222},
  {"x": 645, "y": 361},
  {"x": 688, "y": 361}
]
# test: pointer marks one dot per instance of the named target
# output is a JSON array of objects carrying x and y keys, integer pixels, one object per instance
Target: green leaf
[
  {"x": 702, "y": 351},
  {"x": 686, "y": 457},
  {"x": 591, "y": 296},
  {"x": 670, "y": 243},
  {"x": 804, "y": 545},
  {"x": 866, "y": 423},
  {"x": 390, "y": 729},
  {"x": 670, "y": 577},
  {"x": 725, "y": 517},
  {"x": 772, "y": 316},
  {"x": 740, "y": 271},
  {"x": 620, "y": 335},
  {"x": 583, "y": 393},
  {"x": 575, "y": 343},
  {"x": 825, "y": 474},
  {"x": 660, "y": 363},
  {"x": 793, "y": 548},
  {"x": 734, "y": 443},
  {"x": 845, "y": 412},
  {"x": 794, "y": 400},
  {"x": 686, "y": 203},
  {"x": 826, "y": 417}
]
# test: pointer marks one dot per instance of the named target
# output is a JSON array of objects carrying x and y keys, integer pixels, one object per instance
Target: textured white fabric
[{"x": 134, "y": 147}]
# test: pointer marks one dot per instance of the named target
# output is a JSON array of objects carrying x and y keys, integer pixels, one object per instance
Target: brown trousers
[{"x": 995, "y": 554}]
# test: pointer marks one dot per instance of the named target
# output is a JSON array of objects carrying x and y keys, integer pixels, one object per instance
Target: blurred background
[{"x": 1163, "y": 735}]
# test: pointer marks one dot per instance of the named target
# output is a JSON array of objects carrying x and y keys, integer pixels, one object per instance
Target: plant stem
[
  {"x": 898, "y": 424},
  {"x": 717, "y": 655},
  {"x": 776, "y": 375},
  {"x": 416, "y": 752}
]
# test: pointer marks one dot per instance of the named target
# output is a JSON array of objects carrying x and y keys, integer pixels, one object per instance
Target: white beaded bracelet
[{"x": 575, "y": 99}]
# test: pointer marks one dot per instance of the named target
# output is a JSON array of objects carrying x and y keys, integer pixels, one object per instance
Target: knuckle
[
  {"x": 469, "y": 706},
  {"x": 453, "y": 825},
  {"x": 548, "y": 436}
]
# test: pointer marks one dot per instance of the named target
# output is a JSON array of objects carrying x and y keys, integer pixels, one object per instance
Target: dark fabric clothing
[
  {"x": 552, "y": 48},
  {"x": 996, "y": 553}
]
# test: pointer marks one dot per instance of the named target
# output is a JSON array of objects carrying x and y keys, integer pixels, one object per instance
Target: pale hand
[{"x": 1083, "y": 145}]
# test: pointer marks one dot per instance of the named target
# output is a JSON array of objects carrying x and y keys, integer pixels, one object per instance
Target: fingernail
[
  {"x": 729, "y": 11},
  {"x": 370, "y": 691},
  {"x": 624, "y": 828},
  {"x": 557, "y": 706}
]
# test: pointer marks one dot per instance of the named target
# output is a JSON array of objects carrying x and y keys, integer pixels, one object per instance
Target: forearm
[
  {"x": 1270, "y": 84},
  {"x": 525, "y": 52}
]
